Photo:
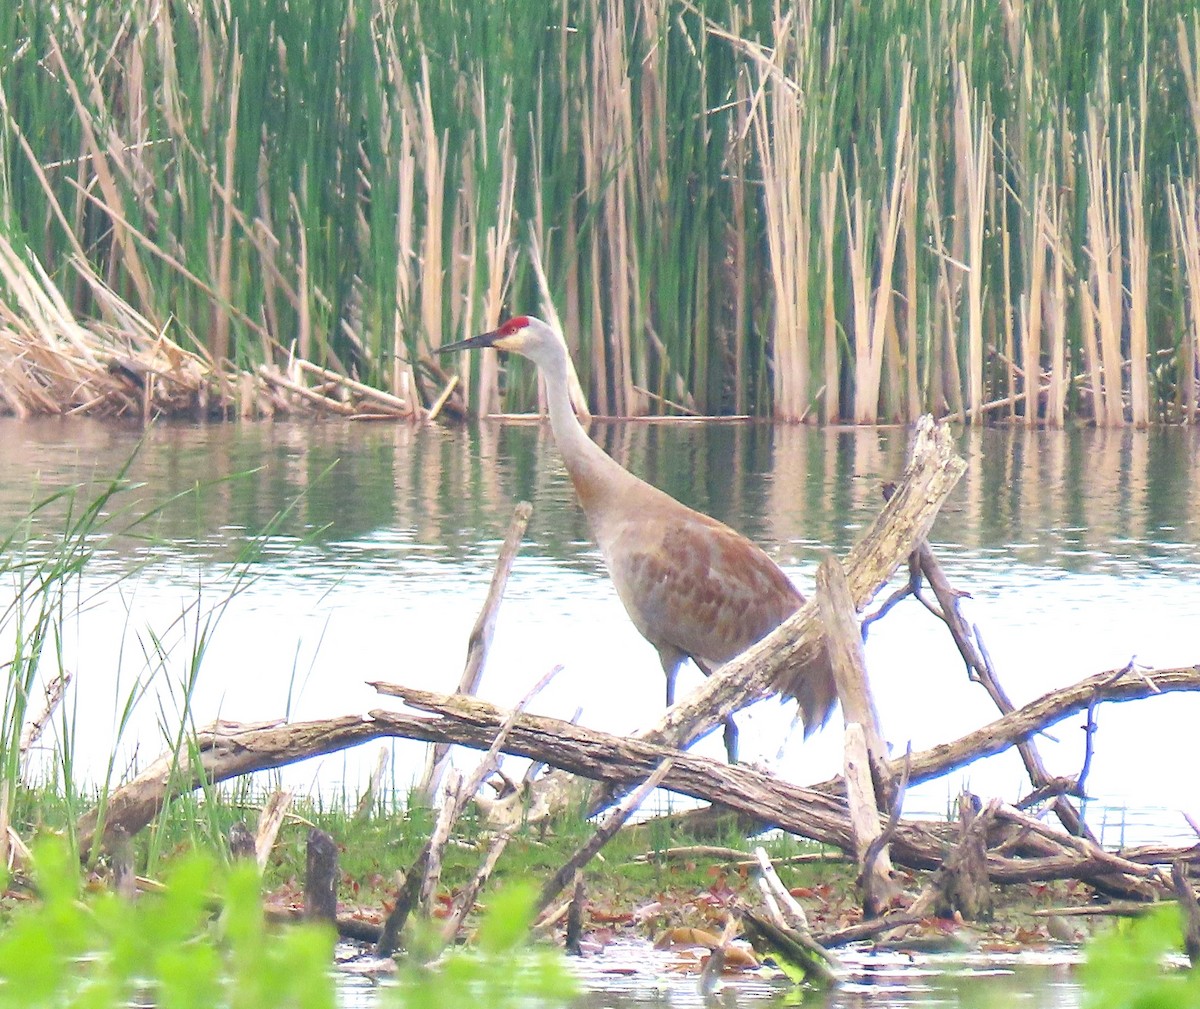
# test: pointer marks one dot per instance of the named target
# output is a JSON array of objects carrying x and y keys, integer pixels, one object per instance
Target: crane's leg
[
  {"x": 731, "y": 729},
  {"x": 671, "y": 661}
]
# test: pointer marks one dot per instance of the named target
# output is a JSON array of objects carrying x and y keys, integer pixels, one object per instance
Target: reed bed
[{"x": 829, "y": 209}]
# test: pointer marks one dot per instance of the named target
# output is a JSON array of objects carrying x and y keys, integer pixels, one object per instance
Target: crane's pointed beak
[{"x": 483, "y": 340}]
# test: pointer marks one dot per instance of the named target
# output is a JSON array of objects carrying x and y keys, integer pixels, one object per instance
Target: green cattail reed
[
  {"x": 831, "y": 402},
  {"x": 973, "y": 144}
]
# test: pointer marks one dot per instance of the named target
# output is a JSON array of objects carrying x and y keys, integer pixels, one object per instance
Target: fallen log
[
  {"x": 1124, "y": 684},
  {"x": 979, "y": 668},
  {"x": 819, "y": 816},
  {"x": 227, "y": 750}
]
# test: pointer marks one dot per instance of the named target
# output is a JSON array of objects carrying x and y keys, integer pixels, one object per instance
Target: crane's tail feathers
[{"x": 813, "y": 687}]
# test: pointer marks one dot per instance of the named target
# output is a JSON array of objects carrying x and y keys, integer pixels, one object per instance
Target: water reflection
[
  {"x": 637, "y": 976},
  {"x": 1081, "y": 548},
  {"x": 1067, "y": 499}
]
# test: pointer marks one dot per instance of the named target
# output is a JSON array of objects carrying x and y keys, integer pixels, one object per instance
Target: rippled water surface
[{"x": 1080, "y": 549}]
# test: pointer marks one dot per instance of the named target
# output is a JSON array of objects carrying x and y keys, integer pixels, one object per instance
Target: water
[
  {"x": 1042, "y": 980},
  {"x": 640, "y": 977},
  {"x": 1081, "y": 550}
]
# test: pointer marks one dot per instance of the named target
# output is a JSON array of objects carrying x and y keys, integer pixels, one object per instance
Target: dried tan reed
[
  {"x": 873, "y": 308},
  {"x": 1103, "y": 299},
  {"x": 1059, "y": 379},
  {"x": 783, "y": 139},
  {"x": 1184, "y": 203},
  {"x": 430, "y": 146},
  {"x": 973, "y": 137},
  {"x": 1034, "y": 309}
]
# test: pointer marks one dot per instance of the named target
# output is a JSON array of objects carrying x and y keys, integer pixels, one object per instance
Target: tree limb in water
[{"x": 227, "y": 750}]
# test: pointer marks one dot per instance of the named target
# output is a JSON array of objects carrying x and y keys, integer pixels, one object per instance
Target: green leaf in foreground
[
  {"x": 175, "y": 947},
  {"x": 1125, "y": 967},
  {"x": 503, "y": 970}
]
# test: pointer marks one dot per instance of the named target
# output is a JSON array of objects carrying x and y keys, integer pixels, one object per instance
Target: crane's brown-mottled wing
[
  {"x": 695, "y": 585},
  {"x": 699, "y": 587}
]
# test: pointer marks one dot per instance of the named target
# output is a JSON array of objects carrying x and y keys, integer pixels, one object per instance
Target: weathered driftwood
[
  {"x": 572, "y": 941},
  {"x": 422, "y": 878},
  {"x": 320, "y": 877},
  {"x": 226, "y": 750},
  {"x": 778, "y": 897},
  {"x": 790, "y": 945},
  {"x": 789, "y": 918},
  {"x": 443, "y": 826},
  {"x": 807, "y": 812},
  {"x": 736, "y": 858},
  {"x": 480, "y": 640},
  {"x": 269, "y": 822},
  {"x": 465, "y": 901},
  {"x": 868, "y": 787},
  {"x": 600, "y": 837},
  {"x": 844, "y": 647},
  {"x": 961, "y": 886},
  {"x": 1113, "y": 685},
  {"x": 979, "y": 668},
  {"x": 366, "y": 801},
  {"x": 932, "y": 472},
  {"x": 875, "y": 874},
  {"x": 867, "y": 929},
  {"x": 1190, "y": 907}
]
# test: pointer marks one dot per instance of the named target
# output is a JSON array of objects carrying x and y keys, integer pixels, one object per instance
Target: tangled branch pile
[{"x": 51, "y": 362}]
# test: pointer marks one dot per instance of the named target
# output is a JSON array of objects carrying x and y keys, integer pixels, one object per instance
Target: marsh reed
[{"x": 830, "y": 209}]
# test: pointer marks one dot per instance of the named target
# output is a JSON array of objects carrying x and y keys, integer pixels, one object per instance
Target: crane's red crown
[{"x": 517, "y": 322}]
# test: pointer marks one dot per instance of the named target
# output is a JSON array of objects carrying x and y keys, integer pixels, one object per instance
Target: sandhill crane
[{"x": 693, "y": 587}]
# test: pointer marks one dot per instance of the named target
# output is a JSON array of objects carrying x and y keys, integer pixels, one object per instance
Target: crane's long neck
[{"x": 592, "y": 471}]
